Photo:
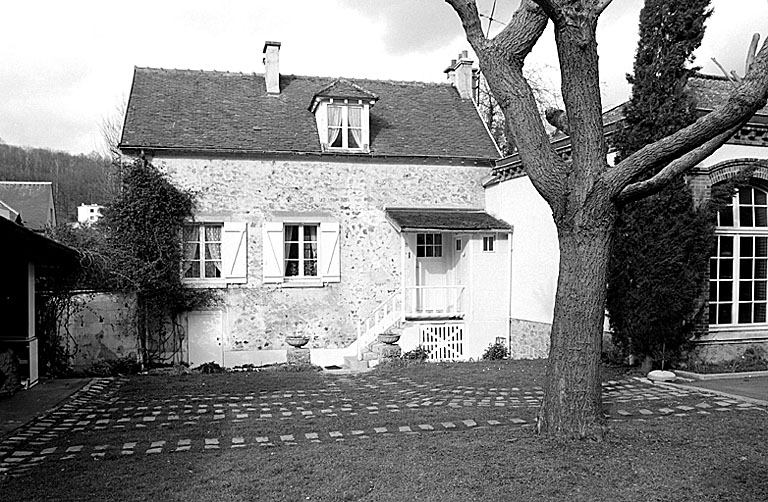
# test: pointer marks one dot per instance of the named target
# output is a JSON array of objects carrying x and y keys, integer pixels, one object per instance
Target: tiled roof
[
  {"x": 712, "y": 90},
  {"x": 709, "y": 91},
  {"x": 33, "y": 200},
  {"x": 204, "y": 110},
  {"x": 343, "y": 88},
  {"x": 468, "y": 220}
]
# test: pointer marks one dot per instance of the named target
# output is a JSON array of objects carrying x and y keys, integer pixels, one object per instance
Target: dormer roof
[{"x": 344, "y": 89}]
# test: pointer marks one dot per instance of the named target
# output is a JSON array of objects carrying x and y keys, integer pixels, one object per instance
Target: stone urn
[
  {"x": 297, "y": 341},
  {"x": 389, "y": 338}
]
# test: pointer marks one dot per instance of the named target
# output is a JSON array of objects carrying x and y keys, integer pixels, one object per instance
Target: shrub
[
  {"x": 113, "y": 367},
  {"x": 496, "y": 352},
  {"x": 418, "y": 354},
  {"x": 210, "y": 367}
]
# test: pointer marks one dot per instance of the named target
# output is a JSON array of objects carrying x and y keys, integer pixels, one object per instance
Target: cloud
[{"x": 411, "y": 26}]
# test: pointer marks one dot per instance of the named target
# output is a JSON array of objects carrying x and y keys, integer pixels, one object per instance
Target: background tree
[
  {"x": 658, "y": 268},
  {"x": 585, "y": 193},
  {"x": 77, "y": 179}
]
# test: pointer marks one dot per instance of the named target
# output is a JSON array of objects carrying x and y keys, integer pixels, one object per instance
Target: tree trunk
[{"x": 572, "y": 396}]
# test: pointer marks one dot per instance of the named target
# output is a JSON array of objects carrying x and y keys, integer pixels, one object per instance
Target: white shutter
[
  {"x": 330, "y": 250},
  {"x": 234, "y": 251},
  {"x": 272, "y": 251}
]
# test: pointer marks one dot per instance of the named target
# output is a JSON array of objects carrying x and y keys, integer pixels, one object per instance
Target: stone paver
[{"x": 98, "y": 407}]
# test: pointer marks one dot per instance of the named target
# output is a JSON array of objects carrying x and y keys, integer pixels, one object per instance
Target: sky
[{"x": 66, "y": 66}]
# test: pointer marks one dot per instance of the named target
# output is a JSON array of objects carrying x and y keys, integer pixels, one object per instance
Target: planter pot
[
  {"x": 389, "y": 338},
  {"x": 297, "y": 341}
]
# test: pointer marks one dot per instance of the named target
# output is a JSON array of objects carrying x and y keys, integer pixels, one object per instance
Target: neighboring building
[
  {"x": 738, "y": 291},
  {"x": 32, "y": 201},
  {"x": 88, "y": 214},
  {"x": 335, "y": 208}
]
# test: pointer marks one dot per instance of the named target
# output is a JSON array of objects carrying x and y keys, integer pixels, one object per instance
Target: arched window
[{"x": 738, "y": 272}]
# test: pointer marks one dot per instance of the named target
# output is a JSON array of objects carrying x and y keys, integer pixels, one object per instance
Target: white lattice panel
[{"x": 445, "y": 342}]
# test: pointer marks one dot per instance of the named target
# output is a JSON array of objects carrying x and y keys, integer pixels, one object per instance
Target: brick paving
[{"x": 98, "y": 413}]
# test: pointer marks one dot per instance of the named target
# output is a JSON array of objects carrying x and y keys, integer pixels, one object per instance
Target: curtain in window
[
  {"x": 310, "y": 250},
  {"x": 355, "y": 126},
  {"x": 291, "y": 250},
  {"x": 334, "y": 123},
  {"x": 191, "y": 251},
  {"x": 212, "y": 251}
]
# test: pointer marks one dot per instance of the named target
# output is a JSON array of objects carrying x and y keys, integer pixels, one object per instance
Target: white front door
[
  {"x": 431, "y": 272},
  {"x": 205, "y": 337}
]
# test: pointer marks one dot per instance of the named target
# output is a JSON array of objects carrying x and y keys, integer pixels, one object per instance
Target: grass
[{"x": 721, "y": 456}]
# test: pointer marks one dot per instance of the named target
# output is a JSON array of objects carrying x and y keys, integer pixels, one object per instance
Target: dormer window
[
  {"x": 345, "y": 127},
  {"x": 342, "y": 113}
]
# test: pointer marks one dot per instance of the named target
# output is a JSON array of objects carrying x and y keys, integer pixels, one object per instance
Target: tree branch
[
  {"x": 748, "y": 96},
  {"x": 640, "y": 189},
  {"x": 470, "y": 20},
  {"x": 551, "y": 8},
  {"x": 602, "y": 6},
  {"x": 501, "y": 61}
]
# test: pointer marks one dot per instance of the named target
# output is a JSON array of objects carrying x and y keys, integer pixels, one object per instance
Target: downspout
[{"x": 509, "y": 303}]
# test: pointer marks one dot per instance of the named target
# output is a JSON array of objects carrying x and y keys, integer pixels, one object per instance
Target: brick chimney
[
  {"x": 272, "y": 66},
  {"x": 463, "y": 76}
]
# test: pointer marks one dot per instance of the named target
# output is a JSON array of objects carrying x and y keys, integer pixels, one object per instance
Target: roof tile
[{"x": 205, "y": 110}]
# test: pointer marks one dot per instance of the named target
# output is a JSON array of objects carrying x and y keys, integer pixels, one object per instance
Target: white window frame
[
  {"x": 489, "y": 243},
  {"x": 434, "y": 246},
  {"x": 322, "y": 114},
  {"x": 301, "y": 260},
  {"x": 737, "y": 232},
  {"x": 202, "y": 258},
  {"x": 232, "y": 253},
  {"x": 328, "y": 252}
]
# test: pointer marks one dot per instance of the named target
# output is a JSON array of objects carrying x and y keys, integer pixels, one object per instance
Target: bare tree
[
  {"x": 585, "y": 192},
  {"x": 111, "y": 127}
]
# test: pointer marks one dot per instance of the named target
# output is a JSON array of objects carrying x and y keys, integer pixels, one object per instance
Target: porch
[{"x": 454, "y": 291}]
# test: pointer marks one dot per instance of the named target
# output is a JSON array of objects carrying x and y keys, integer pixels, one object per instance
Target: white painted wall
[
  {"x": 729, "y": 152},
  {"x": 535, "y": 251},
  {"x": 489, "y": 276}
]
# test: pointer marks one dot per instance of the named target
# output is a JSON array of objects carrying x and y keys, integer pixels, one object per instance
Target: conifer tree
[{"x": 658, "y": 267}]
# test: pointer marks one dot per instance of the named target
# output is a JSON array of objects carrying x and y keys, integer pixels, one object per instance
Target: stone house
[
  {"x": 329, "y": 207},
  {"x": 738, "y": 288}
]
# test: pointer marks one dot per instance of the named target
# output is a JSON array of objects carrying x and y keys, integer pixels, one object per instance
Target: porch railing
[
  {"x": 434, "y": 301},
  {"x": 386, "y": 315}
]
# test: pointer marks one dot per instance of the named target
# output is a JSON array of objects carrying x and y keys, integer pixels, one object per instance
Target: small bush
[
  {"x": 208, "y": 368},
  {"x": 113, "y": 367},
  {"x": 496, "y": 352},
  {"x": 419, "y": 354}
]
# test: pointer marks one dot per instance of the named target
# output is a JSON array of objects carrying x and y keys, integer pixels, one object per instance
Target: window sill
[
  {"x": 204, "y": 283},
  {"x": 345, "y": 150},
  {"x": 303, "y": 283}
]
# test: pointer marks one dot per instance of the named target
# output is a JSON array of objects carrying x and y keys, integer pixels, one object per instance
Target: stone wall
[
  {"x": 350, "y": 191},
  {"x": 529, "y": 339},
  {"x": 100, "y": 327},
  {"x": 725, "y": 352}
]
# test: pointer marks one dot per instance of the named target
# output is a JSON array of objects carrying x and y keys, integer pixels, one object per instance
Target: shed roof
[
  {"x": 32, "y": 199},
  {"x": 447, "y": 219},
  {"x": 203, "y": 111},
  {"x": 25, "y": 244}
]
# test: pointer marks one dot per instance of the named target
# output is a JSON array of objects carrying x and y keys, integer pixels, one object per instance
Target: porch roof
[{"x": 445, "y": 219}]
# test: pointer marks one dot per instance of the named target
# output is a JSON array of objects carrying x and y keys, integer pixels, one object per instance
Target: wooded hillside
[{"x": 77, "y": 179}]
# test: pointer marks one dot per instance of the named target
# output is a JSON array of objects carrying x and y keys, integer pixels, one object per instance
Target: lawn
[{"x": 697, "y": 457}]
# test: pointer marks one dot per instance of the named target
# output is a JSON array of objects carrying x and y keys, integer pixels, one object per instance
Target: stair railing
[{"x": 383, "y": 317}]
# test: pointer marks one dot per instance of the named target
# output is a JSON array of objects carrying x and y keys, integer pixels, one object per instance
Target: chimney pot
[
  {"x": 272, "y": 66},
  {"x": 462, "y": 75}
]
